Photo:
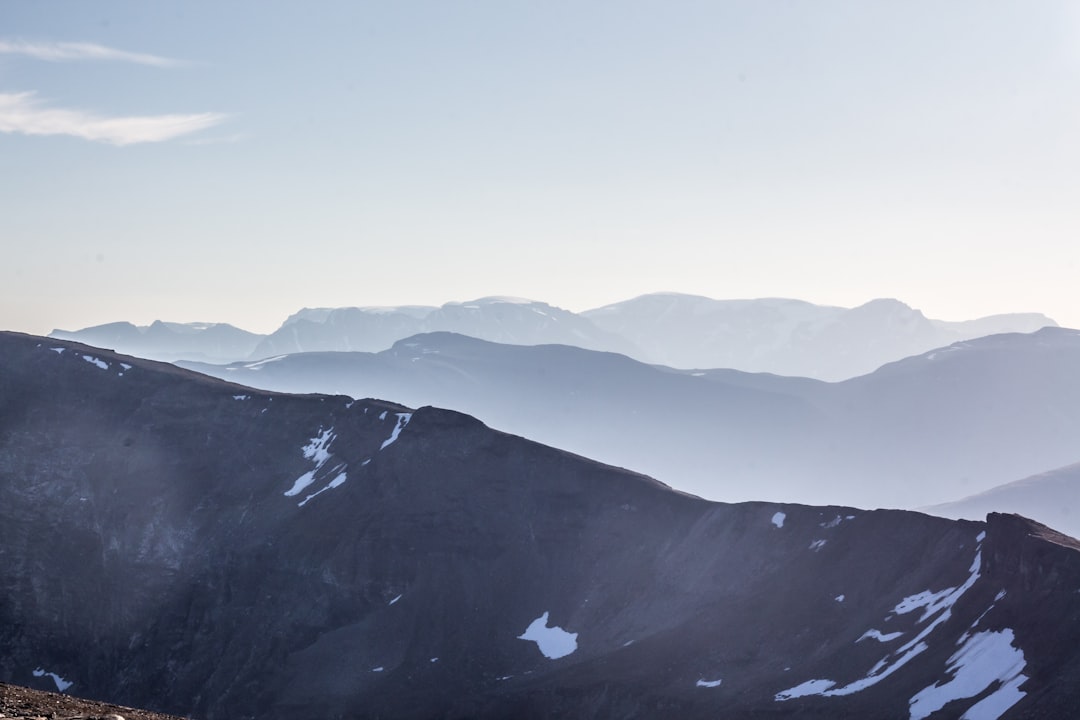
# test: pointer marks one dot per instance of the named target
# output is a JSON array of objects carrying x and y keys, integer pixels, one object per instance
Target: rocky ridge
[{"x": 178, "y": 542}]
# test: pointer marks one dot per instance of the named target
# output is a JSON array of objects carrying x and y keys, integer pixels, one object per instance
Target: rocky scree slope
[
  {"x": 177, "y": 542},
  {"x": 21, "y": 703}
]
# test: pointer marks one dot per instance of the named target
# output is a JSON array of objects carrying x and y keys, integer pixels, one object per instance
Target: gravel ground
[{"x": 22, "y": 703}]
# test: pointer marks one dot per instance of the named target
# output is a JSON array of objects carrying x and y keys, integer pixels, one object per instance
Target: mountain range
[
  {"x": 924, "y": 430},
  {"x": 787, "y": 337},
  {"x": 198, "y": 547}
]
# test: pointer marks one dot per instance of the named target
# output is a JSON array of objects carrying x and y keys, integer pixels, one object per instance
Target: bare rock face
[{"x": 177, "y": 542}]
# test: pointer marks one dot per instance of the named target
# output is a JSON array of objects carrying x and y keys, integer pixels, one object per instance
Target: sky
[{"x": 237, "y": 161}]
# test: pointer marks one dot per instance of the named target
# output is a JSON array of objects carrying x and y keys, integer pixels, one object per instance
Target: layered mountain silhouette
[
  {"x": 787, "y": 337},
  {"x": 924, "y": 430},
  {"x": 1053, "y": 497},
  {"x": 209, "y": 342},
  {"x": 194, "y": 546}
]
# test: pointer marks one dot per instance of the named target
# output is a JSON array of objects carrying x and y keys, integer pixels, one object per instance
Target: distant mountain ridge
[
  {"x": 789, "y": 337},
  {"x": 167, "y": 341},
  {"x": 497, "y": 319},
  {"x": 785, "y": 337},
  {"x": 1052, "y": 496},
  {"x": 174, "y": 541},
  {"x": 919, "y": 431}
]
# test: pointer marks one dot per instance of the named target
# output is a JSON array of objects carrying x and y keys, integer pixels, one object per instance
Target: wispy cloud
[
  {"x": 24, "y": 113},
  {"x": 69, "y": 51}
]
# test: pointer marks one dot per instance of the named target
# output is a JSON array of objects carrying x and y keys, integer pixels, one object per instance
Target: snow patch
[
  {"x": 985, "y": 659},
  {"x": 879, "y": 636},
  {"x": 94, "y": 361},
  {"x": 832, "y": 523},
  {"x": 934, "y": 603},
  {"x": 709, "y": 683},
  {"x": 778, "y": 519},
  {"x": 300, "y": 483},
  {"x": 125, "y": 366},
  {"x": 402, "y": 420},
  {"x": 839, "y": 598},
  {"x": 336, "y": 482},
  {"x": 817, "y": 545},
  {"x": 554, "y": 642},
  {"x": 382, "y": 415},
  {"x": 61, "y": 684},
  {"x": 58, "y": 351},
  {"x": 810, "y": 687},
  {"x": 394, "y": 600},
  {"x": 434, "y": 659},
  {"x": 377, "y": 669},
  {"x": 259, "y": 365},
  {"x": 317, "y": 450},
  {"x": 241, "y": 397}
]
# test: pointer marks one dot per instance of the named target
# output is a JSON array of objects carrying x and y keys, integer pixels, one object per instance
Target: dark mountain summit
[{"x": 178, "y": 542}]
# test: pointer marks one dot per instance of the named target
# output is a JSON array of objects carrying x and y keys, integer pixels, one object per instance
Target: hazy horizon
[{"x": 237, "y": 162}]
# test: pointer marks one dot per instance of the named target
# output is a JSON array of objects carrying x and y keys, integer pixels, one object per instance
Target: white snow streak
[
  {"x": 394, "y": 600},
  {"x": 316, "y": 450},
  {"x": 986, "y": 658},
  {"x": 934, "y": 603},
  {"x": 810, "y": 687},
  {"x": 879, "y": 636},
  {"x": 554, "y": 642},
  {"x": 94, "y": 361},
  {"x": 61, "y": 684},
  {"x": 259, "y": 365},
  {"x": 402, "y": 420},
  {"x": 709, "y": 683},
  {"x": 778, "y": 519}
]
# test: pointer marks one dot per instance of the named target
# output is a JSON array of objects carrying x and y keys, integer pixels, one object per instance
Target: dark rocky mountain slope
[{"x": 192, "y": 546}]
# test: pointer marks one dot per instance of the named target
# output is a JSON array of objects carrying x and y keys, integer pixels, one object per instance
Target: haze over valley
[{"x": 495, "y": 360}]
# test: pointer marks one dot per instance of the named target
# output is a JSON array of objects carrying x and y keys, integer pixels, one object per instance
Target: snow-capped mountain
[
  {"x": 788, "y": 337},
  {"x": 190, "y": 545},
  {"x": 924, "y": 430},
  {"x": 207, "y": 342},
  {"x": 497, "y": 319}
]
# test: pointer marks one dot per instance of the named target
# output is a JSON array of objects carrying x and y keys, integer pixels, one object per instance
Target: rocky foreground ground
[{"x": 20, "y": 703}]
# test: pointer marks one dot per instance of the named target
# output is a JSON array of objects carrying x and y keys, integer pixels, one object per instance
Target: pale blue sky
[{"x": 235, "y": 161}]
